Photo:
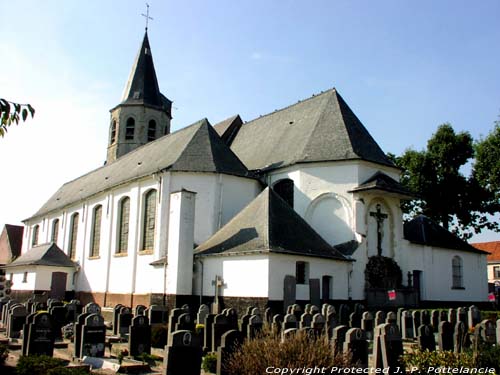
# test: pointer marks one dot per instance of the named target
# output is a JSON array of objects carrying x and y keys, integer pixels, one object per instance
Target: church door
[
  {"x": 58, "y": 285},
  {"x": 326, "y": 289}
]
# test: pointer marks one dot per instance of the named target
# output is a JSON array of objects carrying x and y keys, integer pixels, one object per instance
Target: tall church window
[
  {"x": 151, "y": 130},
  {"x": 149, "y": 221},
  {"x": 457, "y": 272},
  {"x": 284, "y": 188},
  {"x": 34, "y": 236},
  {"x": 302, "y": 272},
  {"x": 123, "y": 225},
  {"x": 55, "y": 230},
  {"x": 73, "y": 234},
  {"x": 130, "y": 129},
  {"x": 113, "y": 133},
  {"x": 96, "y": 232}
]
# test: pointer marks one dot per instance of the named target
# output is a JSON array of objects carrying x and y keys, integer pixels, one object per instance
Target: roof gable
[
  {"x": 268, "y": 224},
  {"x": 48, "y": 254},
  {"x": 382, "y": 182},
  {"x": 321, "y": 128}
]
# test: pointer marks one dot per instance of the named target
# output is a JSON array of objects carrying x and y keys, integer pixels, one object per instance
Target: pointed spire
[{"x": 142, "y": 85}]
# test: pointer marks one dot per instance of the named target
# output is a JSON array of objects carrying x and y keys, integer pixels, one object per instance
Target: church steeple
[{"x": 144, "y": 113}]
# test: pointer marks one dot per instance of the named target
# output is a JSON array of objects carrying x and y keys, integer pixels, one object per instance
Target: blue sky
[{"x": 404, "y": 67}]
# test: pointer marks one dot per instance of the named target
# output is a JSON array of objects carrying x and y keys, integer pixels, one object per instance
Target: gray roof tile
[{"x": 48, "y": 254}]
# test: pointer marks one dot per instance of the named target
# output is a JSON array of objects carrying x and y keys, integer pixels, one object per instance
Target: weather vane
[{"x": 147, "y": 16}]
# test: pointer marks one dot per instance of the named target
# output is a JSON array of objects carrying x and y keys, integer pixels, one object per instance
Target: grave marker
[
  {"x": 139, "y": 340},
  {"x": 93, "y": 336},
  {"x": 183, "y": 354}
]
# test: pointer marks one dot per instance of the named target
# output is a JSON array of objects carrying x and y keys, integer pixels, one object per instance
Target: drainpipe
[
  {"x": 137, "y": 243},
  {"x": 201, "y": 281},
  {"x": 110, "y": 243}
]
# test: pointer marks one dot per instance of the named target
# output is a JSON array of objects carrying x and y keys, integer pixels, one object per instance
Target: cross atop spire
[{"x": 147, "y": 16}]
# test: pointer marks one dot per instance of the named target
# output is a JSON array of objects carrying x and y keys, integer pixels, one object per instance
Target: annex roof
[
  {"x": 268, "y": 224},
  {"x": 48, "y": 254},
  {"x": 13, "y": 235},
  {"x": 196, "y": 148},
  {"x": 424, "y": 231},
  {"x": 382, "y": 182},
  {"x": 321, "y": 128},
  {"x": 492, "y": 247}
]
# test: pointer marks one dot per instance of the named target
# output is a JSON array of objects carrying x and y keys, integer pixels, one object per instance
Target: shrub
[
  {"x": 159, "y": 335},
  {"x": 298, "y": 351},
  {"x": 209, "y": 363},
  {"x": 419, "y": 361},
  {"x": 489, "y": 356},
  {"x": 37, "y": 364},
  {"x": 4, "y": 353},
  {"x": 68, "y": 371}
]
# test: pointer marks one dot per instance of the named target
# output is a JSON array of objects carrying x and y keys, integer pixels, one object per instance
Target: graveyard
[{"x": 302, "y": 339}]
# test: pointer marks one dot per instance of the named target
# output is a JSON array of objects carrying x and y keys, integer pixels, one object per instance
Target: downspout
[
  {"x": 110, "y": 243},
  {"x": 219, "y": 214},
  {"x": 201, "y": 281},
  {"x": 137, "y": 241}
]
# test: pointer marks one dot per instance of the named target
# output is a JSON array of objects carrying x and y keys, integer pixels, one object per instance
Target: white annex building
[{"x": 289, "y": 207}]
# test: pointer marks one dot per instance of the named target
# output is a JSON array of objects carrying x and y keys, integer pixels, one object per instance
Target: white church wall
[
  {"x": 38, "y": 278},
  {"x": 236, "y": 194},
  {"x": 18, "y": 278},
  {"x": 243, "y": 276},
  {"x": 436, "y": 267},
  {"x": 281, "y": 265}
]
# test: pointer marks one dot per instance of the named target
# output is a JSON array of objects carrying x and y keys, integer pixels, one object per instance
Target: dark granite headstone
[
  {"x": 140, "y": 310},
  {"x": 139, "y": 340},
  {"x": 203, "y": 311},
  {"x": 183, "y": 354},
  {"x": 305, "y": 320},
  {"x": 460, "y": 337},
  {"x": 443, "y": 316},
  {"x": 425, "y": 338},
  {"x": 391, "y": 347},
  {"x": 462, "y": 315},
  {"x": 58, "y": 314},
  {"x": 290, "y": 321},
  {"x": 77, "y": 331},
  {"x": 297, "y": 311},
  {"x": 17, "y": 317},
  {"x": 407, "y": 325},
  {"x": 417, "y": 322},
  {"x": 338, "y": 338},
  {"x": 41, "y": 336},
  {"x": 356, "y": 344},
  {"x": 425, "y": 317},
  {"x": 343, "y": 315},
  {"x": 232, "y": 317},
  {"x": 331, "y": 322},
  {"x": 184, "y": 323},
  {"x": 367, "y": 324},
  {"x": 157, "y": 315},
  {"x": 220, "y": 326},
  {"x": 29, "y": 320},
  {"x": 379, "y": 318},
  {"x": 355, "y": 320},
  {"x": 268, "y": 316},
  {"x": 391, "y": 318},
  {"x": 173, "y": 319},
  {"x": 452, "y": 317},
  {"x": 244, "y": 323},
  {"x": 93, "y": 336},
  {"x": 124, "y": 321},
  {"x": 445, "y": 336},
  {"x": 73, "y": 309},
  {"x": 318, "y": 324},
  {"x": 92, "y": 308},
  {"x": 230, "y": 342},
  {"x": 289, "y": 332},
  {"x": 254, "y": 326},
  {"x": 435, "y": 320},
  {"x": 486, "y": 332},
  {"x": 277, "y": 324},
  {"x": 207, "y": 337},
  {"x": 474, "y": 316}
]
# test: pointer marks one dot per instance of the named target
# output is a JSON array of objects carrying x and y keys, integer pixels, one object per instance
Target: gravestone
[
  {"x": 29, "y": 320},
  {"x": 359, "y": 308},
  {"x": 452, "y": 317},
  {"x": 230, "y": 342},
  {"x": 391, "y": 317},
  {"x": 139, "y": 340},
  {"x": 367, "y": 324},
  {"x": 425, "y": 338},
  {"x": 184, "y": 323},
  {"x": 486, "y": 332},
  {"x": 124, "y": 321},
  {"x": 357, "y": 345},
  {"x": 203, "y": 311},
  {"x": 474, "y": 316},
  {"x": 307, "y": 308},
  {"x": 93, "y": 336},
  {"x": 220, "y": 326},
  {"x": 268, "y": 316},
  {"x": 305, "y": 320},
  {"x": 443, "y": 316},
  {"x": 314, "y": 292},
  {"x": 73, "y": 309},
  {"x": 92, "y": 308},
  {"x": 313, "y": 310},
  {"x": 435, "y": 320},
  {"x": 462, "y": 316},
  {"x": 58, "y": 314},
  {"x": 417, "y": 322},
  {"x": 140, "y": 310},
  {"x": 157, "y": 315},
  {"x": 289, "y": 290},
  {"x": 232, "y": 317},
  {"x": 399, "y": 315},
  {"x": 254, "y": 326},
  {"x": 498, "y": 332},
  {"x": 207, "y": 336},
  {"x": 379, "y": 318},
  {"x": 445, "y": 336},
  {"x": 460, "y": 337},
  {"x": 290, "y": 321},
  {"x": 338, "y": 338},
  {"x": 407, "y": 325},
  {"x": 318, "y": 324},
  {"x": 331, "y": 322},
  {"x": 277, "y": 324},
  {"x": 40, "y": 340},
  {"x": 287, "y": 333},
  {"x": 77, "y": 332},
  {"x": 355, "y": 320},
  {"x": 16, "y": 318},
  {"x": 183, "y": 354},
  {"x": 255, "y": 311},
  {"x": 343, "y": 315},
  {"x": 173, "y": 319},
  {"x": 244, "y": 323},
  {"x": 425, "y": 317},
  {"x": 390, "y": 346},
  {"x": 297, "y": 311}
]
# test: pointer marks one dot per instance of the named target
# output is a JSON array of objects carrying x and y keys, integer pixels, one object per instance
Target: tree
[
  {"x": 459, "y": 203},
  {"x": 487, "y": 165},
  {"x": 11, "y": 112}
]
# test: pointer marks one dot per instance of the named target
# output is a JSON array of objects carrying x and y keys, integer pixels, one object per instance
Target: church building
[{"x": 300, "y": 205}]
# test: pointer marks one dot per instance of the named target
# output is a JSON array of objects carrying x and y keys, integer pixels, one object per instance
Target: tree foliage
[
  {"x": 487, "y": 165},
  {"x": 12, "y": 113},
  {"x": 459, "y": 203}
]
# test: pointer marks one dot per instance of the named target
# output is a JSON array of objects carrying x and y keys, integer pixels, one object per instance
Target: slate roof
[
  {"x": 142, "y": 86},
  {"x": 15, "y": 238},
  {"x": 48, "y": 254},
  {"x": 321, "y": 128},
  {"x": 196, "y": 148},
  {"x": 268, "y": 224},
  {"x": 493, "y": 248},
  {"x": 424, "y": 231},
  {"x": 228, "y": 128},
  {"x": 382, "y": 182}
]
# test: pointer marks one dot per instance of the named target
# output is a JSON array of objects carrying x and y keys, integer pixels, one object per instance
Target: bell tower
[{"x": 144, "y": 113}]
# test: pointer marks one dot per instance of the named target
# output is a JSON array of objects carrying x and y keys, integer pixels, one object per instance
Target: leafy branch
[{"x": 11, "y": 112}]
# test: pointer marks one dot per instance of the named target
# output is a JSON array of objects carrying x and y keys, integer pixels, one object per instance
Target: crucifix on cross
[
  {"x": 218, "y": 283},
  {"x": 379, "y": 217},
  {"x": 147, "y": 16}
]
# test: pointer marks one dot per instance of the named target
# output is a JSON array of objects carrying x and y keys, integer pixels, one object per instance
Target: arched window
[
  {"x": 73, "y": 234},
  {"x": 112, "y": 139},
  {"x": 148, "y": 225},
  {"x": 457, "y": 272},
  {"x": 123, "y": 225},
  {"x": 284, "y": 188},
  {"x": 151, "y": 130},
  {"x": 34, "y": 236},
  {"x": 130, "y": 129},
  {"x": 96, "y": 232},
  {"x": 55, "y": 231}
]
